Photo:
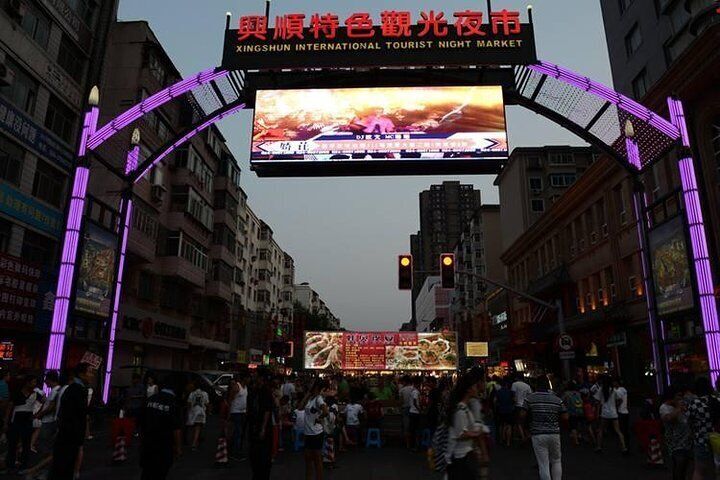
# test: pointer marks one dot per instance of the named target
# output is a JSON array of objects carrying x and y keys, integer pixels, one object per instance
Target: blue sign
[
  {"x": 22, "y": 127},
  {"x": 30, "y": 211}
]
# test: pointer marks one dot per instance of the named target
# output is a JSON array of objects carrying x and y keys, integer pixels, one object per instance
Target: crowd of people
[{"x": 455, "y": 419}]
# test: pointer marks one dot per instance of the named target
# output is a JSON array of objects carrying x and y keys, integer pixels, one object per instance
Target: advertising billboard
[
  {"x": 380, "y": 351},
  {"x": 671, "y": 267},
  {"x": 97, "y": 265},
  {"x": 392, "y": 126}
]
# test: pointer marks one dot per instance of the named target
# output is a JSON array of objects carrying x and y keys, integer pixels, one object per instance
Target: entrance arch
[{"x": 620, "y": 127}]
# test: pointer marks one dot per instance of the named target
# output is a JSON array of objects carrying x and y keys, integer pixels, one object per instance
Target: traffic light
[
  {"x": 405, "y": 272},
  {"x": 447, "y": 270}
]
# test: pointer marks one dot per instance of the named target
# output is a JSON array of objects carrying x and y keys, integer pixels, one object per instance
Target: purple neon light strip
[
  {"x": 118, "y": 291},
  {"x": 67, "y": 268},
  {"x": 189, "y": 135},
  {"x": 608, "y": 94},
  {"x": 633, "y": 153},
  {"x": 132, "y": 160},
  {"x": 698, "y": 240},
  {"x": 150, "y": 103}
]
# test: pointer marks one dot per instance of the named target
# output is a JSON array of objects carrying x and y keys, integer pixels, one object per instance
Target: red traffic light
[
  {"x": 447, "y": 270},
  {"x": 405, "y": 272}
]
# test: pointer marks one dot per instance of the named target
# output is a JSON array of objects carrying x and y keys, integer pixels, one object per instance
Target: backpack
[{"x": 439, "y": 447}]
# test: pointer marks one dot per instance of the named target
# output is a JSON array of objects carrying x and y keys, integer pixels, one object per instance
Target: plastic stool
[
  {"x": 426, "y": 438},
  {"x": 298, "y": 440},
  {"x": 373, "y": 438}
]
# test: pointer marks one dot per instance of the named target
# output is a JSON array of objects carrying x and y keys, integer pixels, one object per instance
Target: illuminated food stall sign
[
  {"x": 476, "y": 349},
  {"x": 394, "y": 38},
  {"x": 380, "y": 351}
]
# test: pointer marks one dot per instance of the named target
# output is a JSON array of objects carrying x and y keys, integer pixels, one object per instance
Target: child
[
  {"x": 328, "y": 451},
  {"x": 353, "y": 413}
]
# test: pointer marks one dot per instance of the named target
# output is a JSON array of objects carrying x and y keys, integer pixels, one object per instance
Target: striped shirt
[{"x": 545, "y": 409}]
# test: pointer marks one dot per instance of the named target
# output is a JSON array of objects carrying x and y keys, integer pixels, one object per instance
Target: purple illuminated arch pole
[{"x": 698, "y": 241}]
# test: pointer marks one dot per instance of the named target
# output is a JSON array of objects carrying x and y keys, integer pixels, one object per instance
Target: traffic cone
[
  {"x": 120, "y": 453},
  {"x": 655, "y": 453},
  {"x": 221, "y": 456}
]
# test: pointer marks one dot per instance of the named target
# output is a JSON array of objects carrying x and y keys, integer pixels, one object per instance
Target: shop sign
[
  {"x": 256, "y": 357},
  {"x": 617, "y": 340},
  {"x": 567, "y": 355},
  {"x": 565, "y": 342},
  {"x": 476, "y": 349},
  {"x": 29, "y": 211},
  {"x": 7, "y": 351},
  {"x": 24, "y": 129},
  {"x": 392, "y": 39},
  {"x": 145, "y": 327},
  {"x": 18, "y": 292},
  {"x": 75, "y": 25},
  {"x": 242, "y": 356},
  {"x": 92, "y": 359}
]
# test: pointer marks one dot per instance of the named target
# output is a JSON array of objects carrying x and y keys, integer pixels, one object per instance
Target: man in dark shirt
[
  {"x": 160, "y": 423},
  {"x": 71, "y": 423},
  {"x": 546, "y": 410},
  {"x": 260, "y": 407}
]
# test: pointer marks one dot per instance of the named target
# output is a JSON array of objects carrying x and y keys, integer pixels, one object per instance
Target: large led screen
[
  {"x": 380, "y": 351},
  {"x": 379, "y": 124}
]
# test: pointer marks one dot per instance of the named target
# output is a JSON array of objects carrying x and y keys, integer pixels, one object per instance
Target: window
[
  {"x": 191, "y": 160},
  {"x": 535, "y": 184},
  {"x": 71, "y": 58},
  {"x": 146, "y": 285},
  {"x": 562, "y": 180},
  {"x": 39, "y": 249},
  {"x": 49, "y": 184},
  {"x": 186, "y": 199},
  {"x": 11, "y": 160},
  {"x": 60, "y": 119},
  {"x": 633, "y": 40},
  {"x": 22, "y": 92},
  {"x": 287, "y": 279},
  {"x": 5, "y": 234},
  {"x": 561, "y": 159},
  {"x": 287, "y": 296},
  {"x": 157, "y": 69},
  {"x": 639, "y": 85},
  {"x": 222, "y": 272},
  {"x": 262, "y": 254},
  {"x": 36, "y": 24},
  {"x": 83, "y": 8},
  {"x": 144, "y": 221},
  {"x": 537, "y": 205},
  {"x": 223, "y": 235}
]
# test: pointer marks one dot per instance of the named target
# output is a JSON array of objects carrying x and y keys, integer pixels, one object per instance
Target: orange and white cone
[
  {"x": 120, "y": 453},
  {"x": 221, "y": 456},
  {"x": 655, "y": 453}
]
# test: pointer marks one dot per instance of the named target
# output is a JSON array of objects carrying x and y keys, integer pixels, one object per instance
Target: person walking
[
  {"x": 160, "y": 425},
  {"x": 48, "y": 420},
  {"x": 623, "y": 412},
  {"x": 238, "y": 414},
  {"x": 72, "y": 424},
  {"x": 260, "y": 411},
  {"x": 134, "y": 401},
  {"x": 674, "y": 415},
  {"x": 315, "y": 412},
  {"x": 151, "y": 386},
  {"x": 406, "y": 393},
  {"x": 19, "y": 419},
  {"x": 702, "y": 412},
  {"x": 521, "y": 390},
  {"x": 505, "y": 408},
  {"x": 197, "y": 403},
  {"x": 546, "y": 411},
  {"x": 463, "y": 431},
  {"x": 413, "y": 414},
  {"x": 574, "y": 403},
  {"x": 609, "y": 402}
]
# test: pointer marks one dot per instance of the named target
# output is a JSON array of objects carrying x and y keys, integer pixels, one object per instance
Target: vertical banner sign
[
  {"x": 671, "y": 267},
  {"x": 97, "y": 264},
  {"x": 395, "y": 38}
]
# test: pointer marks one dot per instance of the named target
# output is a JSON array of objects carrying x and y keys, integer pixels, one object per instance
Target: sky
[{"x": 345, "y": 233}]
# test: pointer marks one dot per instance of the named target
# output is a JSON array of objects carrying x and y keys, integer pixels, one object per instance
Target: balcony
[
  {"x": 184, "y": 269},
  {"x": 220, "y": 252},
  {"x": 218, "y": 289}
]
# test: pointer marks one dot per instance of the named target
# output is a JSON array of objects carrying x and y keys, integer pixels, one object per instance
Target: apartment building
[
  {"x": 432, "y": 307},
  {"x": 50, "y": 57},
  {"x": 309, "y": 299}
]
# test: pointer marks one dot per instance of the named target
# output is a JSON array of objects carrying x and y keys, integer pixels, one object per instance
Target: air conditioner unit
[
  {"x": 604, "y": 230},
  {"x": 16, "y": 9},
  {"x": 157, "y": 193},
  {"x": 7, "y": 76}
]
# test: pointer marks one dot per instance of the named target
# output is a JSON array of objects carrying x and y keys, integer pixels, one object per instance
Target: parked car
[
  {"x": 218, "y": 379},
  {"x": 177, "y": 380}
]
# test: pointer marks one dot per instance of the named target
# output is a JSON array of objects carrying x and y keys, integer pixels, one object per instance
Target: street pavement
[{"x": 389, "y": 462}]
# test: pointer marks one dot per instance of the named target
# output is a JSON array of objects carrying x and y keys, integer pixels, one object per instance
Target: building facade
[
  {"x": 444, "y": 211},
  {"x": 50, "y": 57},
  {"x": 432, "y": 306},
  {"x": 533, "y": 179},
  {"x": 310, "y": 300}
]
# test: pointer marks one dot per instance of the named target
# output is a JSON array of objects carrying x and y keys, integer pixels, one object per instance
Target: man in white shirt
[
  {"x": 288, "y": 390},
  {"x": 521, "y": 391},
  {"x": 352, "y": 421},
  {"x": 623, "y": 413},
  {"x": 238, "y": 413}
]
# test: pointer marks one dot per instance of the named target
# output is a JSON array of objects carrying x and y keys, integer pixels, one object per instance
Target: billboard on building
[
  {"x": 671, "y": 267},
  {"x": 380, "y": 351},
  {"x": 385, "y": 130},
  {"x": 96, "y": 275}
]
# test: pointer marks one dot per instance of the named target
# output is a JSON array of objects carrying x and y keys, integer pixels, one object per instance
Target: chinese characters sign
[
  {"x": 380, "y": 351},
  {"x": 18, "y": 292},
  {"x": 394, "y": 38}
]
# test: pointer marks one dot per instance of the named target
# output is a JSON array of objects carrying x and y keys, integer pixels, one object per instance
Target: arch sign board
[{"x": 372, "y": 129}]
